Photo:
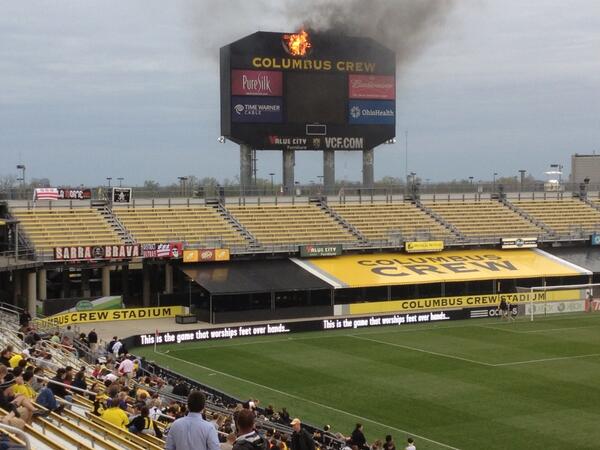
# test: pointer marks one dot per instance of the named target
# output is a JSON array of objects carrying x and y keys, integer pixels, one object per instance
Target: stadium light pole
[
  {"x": 494, "y": 182},
  {"x": 522, "y": 178},
  {"x": 120, "y": 181},
  {"x": 272, "y": 174},
  {"x": 21, "y": 167},
  {"x": 109, "y": 180},
  {"x": 182, "y": 181}
]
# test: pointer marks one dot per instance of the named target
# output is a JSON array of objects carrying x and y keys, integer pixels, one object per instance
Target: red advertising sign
[
  {"x": 170, "y": 250},
  {"x": 256, "y": 82},
  {"x": 380, "y": 87}
]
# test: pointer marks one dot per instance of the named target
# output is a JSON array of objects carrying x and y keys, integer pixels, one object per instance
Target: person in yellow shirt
[
  {"x": 115, "y": 415},
  {"x": 23, "y": 386},
  {"x": 14, "y": 360}
]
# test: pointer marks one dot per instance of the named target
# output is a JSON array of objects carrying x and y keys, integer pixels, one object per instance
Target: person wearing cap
[{"x": 301, "y": 439}]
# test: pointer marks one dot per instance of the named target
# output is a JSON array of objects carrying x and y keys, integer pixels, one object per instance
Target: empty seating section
[
  {"x": 194, "y": 224},
  {"x": 291, "y": 224},
  {"x": 47, "y": 228},
  {"x": 478, "y": 219},
  {"x": 379, "y": 221},
  {"x": 562, "y": 216}
]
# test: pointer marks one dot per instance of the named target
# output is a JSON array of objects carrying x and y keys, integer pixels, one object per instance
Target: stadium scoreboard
[{"x": 307, "y": 91}]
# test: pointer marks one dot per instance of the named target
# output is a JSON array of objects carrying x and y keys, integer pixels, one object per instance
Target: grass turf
[{"x": 479, "y": 384}]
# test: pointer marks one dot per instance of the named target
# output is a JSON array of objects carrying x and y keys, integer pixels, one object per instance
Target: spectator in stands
[
  {"x": 47, "y": 399},
  {"x": 24, "y": 318},
  {"x": 92, "y": 338},
  {"x": 68, "y": 333},
  {"x": 115, "y": 415},
  {"x": 181, "y": 389},
  {"x": 193, "y": 432},
  {"x": 16, "y": 359},
  {"x": 358, "y": 438},
  {"x": 79, "y": 380},
  {"x": 411, "y": 444},
  {"x": 5, "y": 356},
  {"x": 58, "y": 389},
  {"x": 248, "y": 438},
  {"x": 301, "y": 439},
  {"x": 389, "y": 443},
  {"x": 377, "y": 445},
  {"x": 126, "y": 367},
  {"x": 23, "y": 386},
  {"x": 55, "y": 339},
  {"x": 118, "y": 349},
  {"x": 228, "y": 444},
  {"x": 143, "y": 424}
]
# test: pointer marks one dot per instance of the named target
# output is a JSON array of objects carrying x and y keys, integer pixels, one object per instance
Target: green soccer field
[{"x": 475, "y": 384}]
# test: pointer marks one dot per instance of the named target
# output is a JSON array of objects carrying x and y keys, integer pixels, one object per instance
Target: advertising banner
[
  {"x": 121, "y": 195},
  {"x": 45, "y": 194},
  {"x": 111, "y": 315},
  {"x": 385, "y": 269},
  {"x": 372, "y": 112},
  {"x": 172, "y": 250},
  {"x": 595, "y": 239},
  {"x": 205, "y": 255},
  {"x": 530, "y": 242},
  {"x": 269, "y": 329},
  {"x": 256, "y": 109},
  {"x": 423, "y": 246},
  {"x": 467, "y": 301},
  {"x": 555, "y": 307},
  {"x": 256, "y": 82},
  {"x": 88, "y": 252},
  {"x": 381, "y": 87},
  {"x": 307, "y": 251},
  {"x": 74, "y": 194}
]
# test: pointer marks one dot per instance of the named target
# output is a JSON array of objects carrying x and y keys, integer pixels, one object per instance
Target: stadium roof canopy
[
  {"x": 243, "y": 277},
  {"x": 588, "y": 257}
]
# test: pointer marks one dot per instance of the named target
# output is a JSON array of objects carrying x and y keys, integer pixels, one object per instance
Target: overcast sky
[{"x": 90, "y": 89}]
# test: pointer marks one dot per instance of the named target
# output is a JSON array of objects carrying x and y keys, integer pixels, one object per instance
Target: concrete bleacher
[
  {"x": 63, "y": 226},
  {"x": 563, "y": 216},
  {"x": 380, "y": 221},
  {"x": 485, "y": 218},
  {"x": 291, "y": 224},
  {"x": 193, "y": 224}
]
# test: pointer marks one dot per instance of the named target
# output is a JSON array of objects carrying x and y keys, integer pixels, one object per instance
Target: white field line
[
  {"x": 560, "y": 358},
  {"x": 473, "y": 361},
  {"x": 321, "y": 405},
  {"x": 415, "y": 349},
  {"x": 543, "y": 330}
]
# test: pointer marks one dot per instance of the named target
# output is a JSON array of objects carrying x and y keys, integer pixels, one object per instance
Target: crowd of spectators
[{"x": 124, "y": 394}]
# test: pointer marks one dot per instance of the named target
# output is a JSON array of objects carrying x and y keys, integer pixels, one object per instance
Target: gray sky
[{"x": 90, "y": 89}]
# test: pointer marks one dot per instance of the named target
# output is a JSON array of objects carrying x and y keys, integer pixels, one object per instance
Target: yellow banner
[
  {"x": 382, "y": 269},
  {"x": 113, "y": 315},
  {"x": 423, "y": 246},
  {"x": 471, "y": 301}
]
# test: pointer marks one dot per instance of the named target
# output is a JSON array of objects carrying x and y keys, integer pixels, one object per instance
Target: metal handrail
[{"x": 22, "y": 435}]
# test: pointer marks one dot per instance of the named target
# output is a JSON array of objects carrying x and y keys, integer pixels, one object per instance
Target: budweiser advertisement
[
  {"x": 256, "y": 82},
  {"x": 378, "y": 87},
  {"x": 205, "y": 255},
  {"x": 89, "y": 252},
  {"x": 171, "y": 250}
]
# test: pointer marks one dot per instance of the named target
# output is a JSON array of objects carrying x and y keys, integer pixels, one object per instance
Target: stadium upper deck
[{"x": 354, "y": 223}]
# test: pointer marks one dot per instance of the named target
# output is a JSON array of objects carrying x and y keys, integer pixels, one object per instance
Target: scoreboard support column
[
  {"x": 368, "y": 171},
  {"x": 245, "y": 168},
  {"x": 328, "y": 171},
  {"x": 289, "y": 161}
]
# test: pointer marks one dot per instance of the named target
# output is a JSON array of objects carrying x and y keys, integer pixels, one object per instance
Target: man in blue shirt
[{"x": 192, "y": 432}]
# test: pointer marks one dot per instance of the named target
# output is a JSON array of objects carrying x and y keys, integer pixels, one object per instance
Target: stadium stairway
[
  {"x": 322, "y": 204},
  {"x": 439, "y": 219},
  {"x": 106, "y": 212},
  {"x": 228, "y": 217},
  {"x": 526, "y": 216}
]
